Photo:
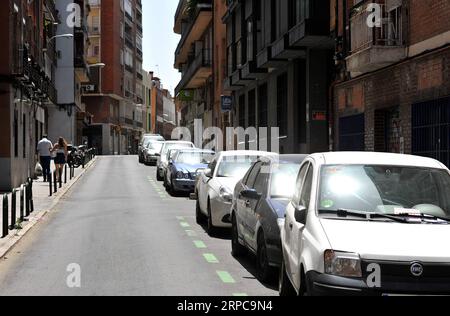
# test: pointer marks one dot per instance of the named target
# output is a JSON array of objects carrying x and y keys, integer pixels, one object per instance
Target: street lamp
[
  {"x": 68, "y": 35},
  {"x": 97, "y": 65}
]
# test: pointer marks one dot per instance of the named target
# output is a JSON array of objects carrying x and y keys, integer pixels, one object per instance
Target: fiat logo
[{"x": 417, "y": 269}]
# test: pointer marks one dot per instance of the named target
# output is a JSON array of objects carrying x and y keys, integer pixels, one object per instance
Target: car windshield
[
  {"x": 156, "y": 146},
  {"x": 235, "y": 166},
  {"x": 282, "y": 184},
  {"x": 170, "y": 146},
  {"x": 385, "y": 189},
  {"x": 194, "y": 158}
]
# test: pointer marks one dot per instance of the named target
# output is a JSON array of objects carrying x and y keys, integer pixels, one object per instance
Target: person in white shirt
[{"x": 44, "y": 150}]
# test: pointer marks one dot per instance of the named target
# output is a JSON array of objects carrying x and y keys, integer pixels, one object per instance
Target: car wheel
[
  {"x": 284, "y": 284},
  {"x": 200, "y": 218},
  {"x": 237, "y": 250},
  {"x": 264, "y": 270},
  {"x": 172, "y": 189},
  {"x": 158, "y": 177},
  {"x": 212, "y": 230}
]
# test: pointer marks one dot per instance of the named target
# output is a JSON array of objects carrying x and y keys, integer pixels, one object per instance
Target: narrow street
[{"x": 129, "y": 237}]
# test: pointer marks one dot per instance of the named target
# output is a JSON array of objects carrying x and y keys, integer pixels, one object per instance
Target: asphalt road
[{"x": 126, "y": 236}]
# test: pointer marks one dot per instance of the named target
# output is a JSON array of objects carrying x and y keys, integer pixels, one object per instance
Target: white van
[{"x": 368, "y": 224}]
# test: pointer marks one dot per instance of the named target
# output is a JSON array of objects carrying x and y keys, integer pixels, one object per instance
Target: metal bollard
[
  {"x": 55, "y": 183},
  {"x": 27, "y": 199},
  {"x": 30, "y": 183},
  {"x": 5, "y": 216},
  {"x": 65, "y": 174},
  {"x": 50, "y": 184},
  {"x": 13, "y": 209},
  {"x": 22, "y": 203}
]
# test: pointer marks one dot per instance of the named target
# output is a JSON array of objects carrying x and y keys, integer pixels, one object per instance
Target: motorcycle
[{"x": 75, "y": 157}]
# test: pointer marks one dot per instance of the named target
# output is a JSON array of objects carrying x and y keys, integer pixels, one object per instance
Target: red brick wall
[
  {"x": 428, "y": 18},
  {"x": 421, "y": 79},
  {"x": 111, "y": 45}
]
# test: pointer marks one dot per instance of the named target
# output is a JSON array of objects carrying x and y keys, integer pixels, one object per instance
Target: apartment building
[
  {"x": 392, "y": 90},
  {"x": 279, "y": 56},
  {"x": 27, "y": 84},
  {"x": 194, "y": 58},
  {"x": 68, "y": 117},
  {"x": 115, "y": 95}
]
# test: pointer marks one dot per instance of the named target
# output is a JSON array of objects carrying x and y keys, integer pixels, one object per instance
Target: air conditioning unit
[{"x": 89, "y": 88}]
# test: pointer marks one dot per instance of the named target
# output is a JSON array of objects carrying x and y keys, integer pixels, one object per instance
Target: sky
[{"x": 160, "y": 41}]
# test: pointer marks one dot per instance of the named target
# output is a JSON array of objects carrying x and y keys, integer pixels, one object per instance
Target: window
[
  {"x": 282, "y": 107},
  {"x": 260, "y": 182},
  {"x": 252, "y": 175},
  {"x": 16, "y": 133},
  {"x": 252, "y": 108},
  {"x": 242, "y": 111},
  {"x": 24, "y": 135},
  {"x": 300, "y": 180},
  {"x": 305, "y": 198},
  {"x": 262, "y": 106}
]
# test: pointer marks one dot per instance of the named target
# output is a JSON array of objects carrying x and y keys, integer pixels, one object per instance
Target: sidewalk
[{"x": 43, "y": 204}]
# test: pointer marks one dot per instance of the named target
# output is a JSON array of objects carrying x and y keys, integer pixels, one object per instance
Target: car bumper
[
  {"x": 219, "y": 209},
  {"x": 151, "y": 159},
  {"x": 327, "y": 285},
  {"x": 184, "y": 185}
]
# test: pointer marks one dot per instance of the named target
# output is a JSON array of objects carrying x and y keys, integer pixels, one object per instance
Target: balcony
[
  {"x": 197, "y": 72},
  {"x": 264, "y": 59},
  {"x": 312, "y": 29},
  {"x": 282, "y": 49},
  {"x": 195, "y": 27},
  {"x": 251, "y": 71},
  {"x": 373, "y": 48}
]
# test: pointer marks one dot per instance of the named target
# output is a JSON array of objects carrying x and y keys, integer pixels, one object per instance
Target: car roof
[
  {"x": 171, "y": 142},
  {"x": 292, "y": 158},
  {"x": 194, "y": 150},
  {"x": 373, "y": 158},
  {"x": 245, "y": 153}
]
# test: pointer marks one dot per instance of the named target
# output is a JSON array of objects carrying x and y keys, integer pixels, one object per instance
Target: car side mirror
[
  {"x": 300, "y": 214},
  {"x": 158, "y": 155},
  {"x": 251, "y": 194},
  {"x": 208, "y": 173},
  {"x": 170, "y": 161}
]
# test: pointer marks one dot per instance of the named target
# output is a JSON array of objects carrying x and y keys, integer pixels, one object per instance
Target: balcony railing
[
  {"x": 201, "y": 60},
  {"x": 363, "y": 36}
]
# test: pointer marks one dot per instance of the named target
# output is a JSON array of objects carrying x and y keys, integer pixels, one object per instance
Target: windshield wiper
[
  {"x": 365, "y": 215},
  {"x": 424, "y": 216}
]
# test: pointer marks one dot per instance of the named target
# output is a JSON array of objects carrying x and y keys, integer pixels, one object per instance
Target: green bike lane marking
[
  {"x": 225, "y": 277},
  {"x": 200, "y": 244},
  {"x": 185, "y": 225},
  {"x": 210, "y": 258}
]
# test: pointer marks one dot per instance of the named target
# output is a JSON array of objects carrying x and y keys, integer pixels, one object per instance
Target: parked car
[
  {"x": 214, "y": 187},
  {"x": 152, "y": 152},
  {"x": 145, "y": 140},
  {"x": 369, "y": 224},
  {"x": 183, "y": 169},
  {"x": 163, "y": 159},
  {"x": 259, "y": 206}
]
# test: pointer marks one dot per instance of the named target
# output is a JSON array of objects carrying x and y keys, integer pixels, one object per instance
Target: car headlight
[
  {"x": 343, "y": 264},
  {"x": 180, "y": 175},
  {"x": 226, "y": 194}
]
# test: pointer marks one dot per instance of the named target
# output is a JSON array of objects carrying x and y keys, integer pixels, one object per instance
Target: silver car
[{"x": 259, "y": 205}]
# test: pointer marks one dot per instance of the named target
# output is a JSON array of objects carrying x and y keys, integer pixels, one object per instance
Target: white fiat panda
[{"x": 368, "y": 224}]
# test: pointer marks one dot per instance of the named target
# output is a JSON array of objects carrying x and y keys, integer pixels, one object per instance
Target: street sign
[{"x": 227, "y": 103}]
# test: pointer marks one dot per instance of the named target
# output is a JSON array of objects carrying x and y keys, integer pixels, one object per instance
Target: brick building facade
[
  {"x": 116, "y": 93},
  {"x": 393, "y": 93}
]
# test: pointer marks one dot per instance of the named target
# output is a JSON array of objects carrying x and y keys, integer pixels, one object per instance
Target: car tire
[
  {"x": 265, "y": 272},
  {"x": 158, "y": 177},
  {"x": 285, "y": 287},
  {"x": 212, "y": 230},
  {"x": 199, "y": 216},
  {"x": 237, "y": 250}
]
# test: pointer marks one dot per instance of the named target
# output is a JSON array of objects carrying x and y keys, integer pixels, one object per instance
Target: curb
[{"x": 16, "y": 235}]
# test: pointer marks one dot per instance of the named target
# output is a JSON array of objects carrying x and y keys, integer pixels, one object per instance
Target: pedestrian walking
[
  {"x": 61, "y": 151},
  {"x": 44, "y": 150}
]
